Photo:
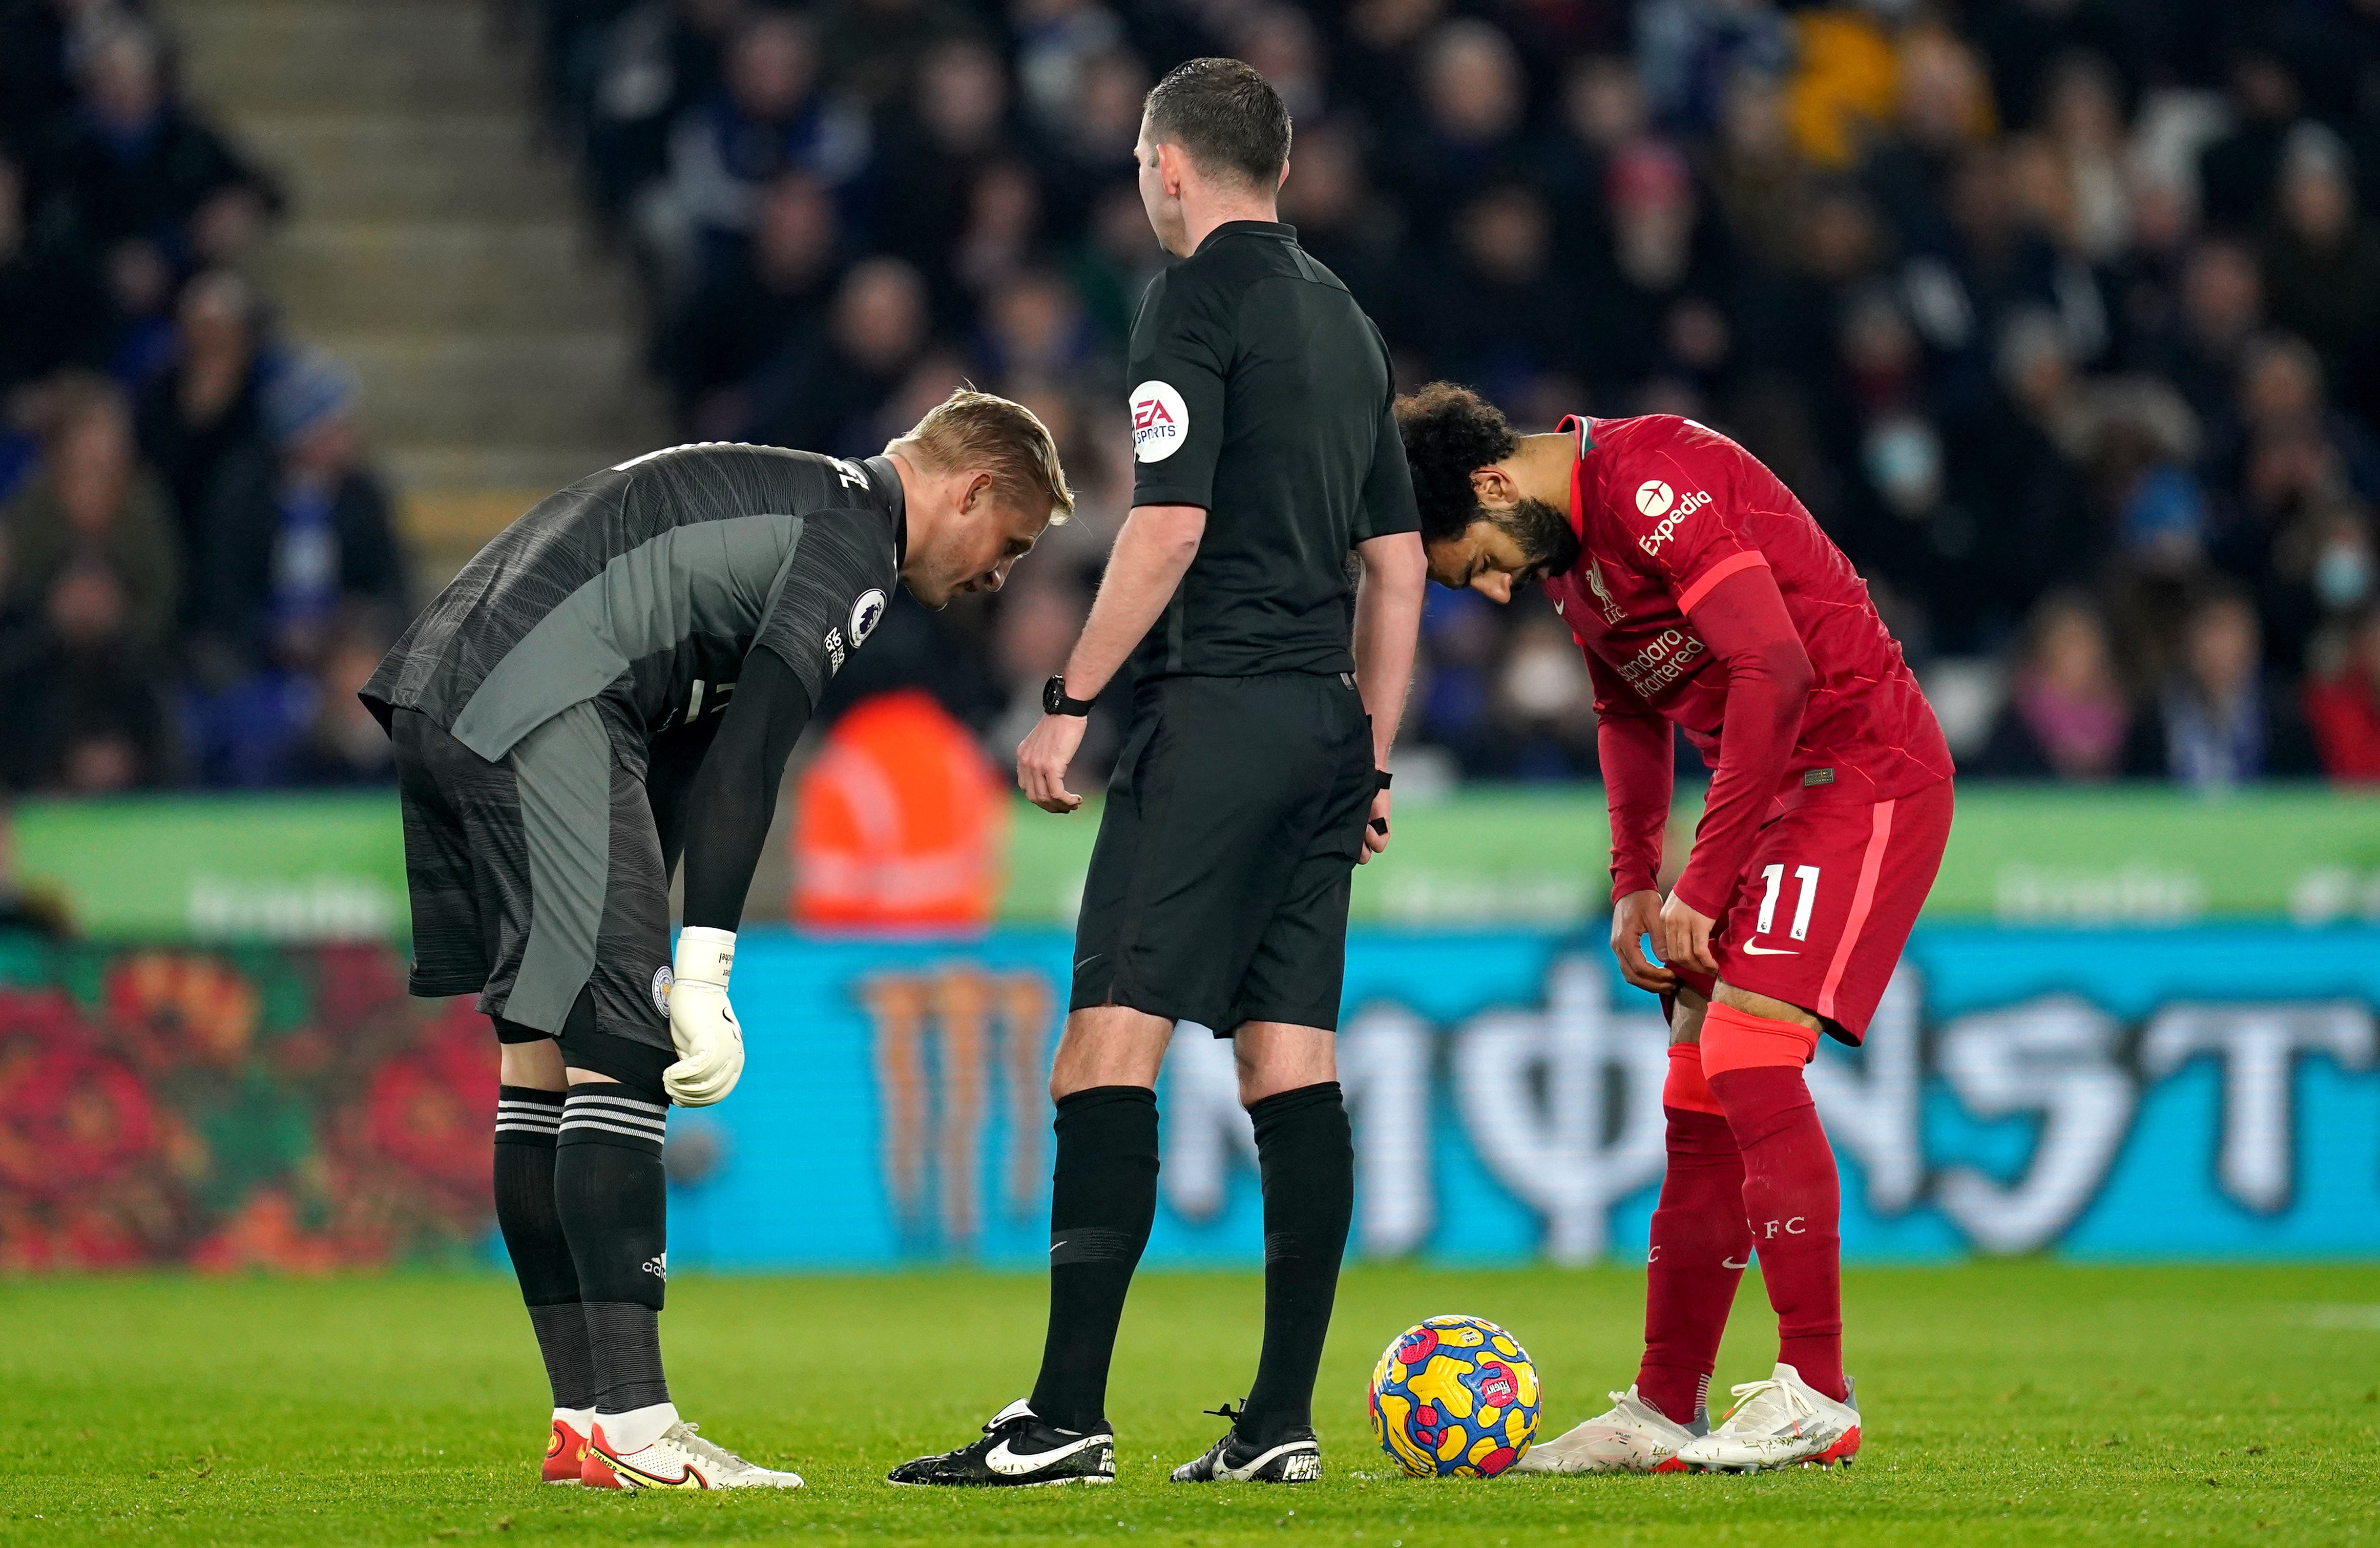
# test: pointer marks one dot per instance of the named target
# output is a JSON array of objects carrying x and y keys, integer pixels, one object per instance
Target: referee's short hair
[
  {"x": 971, "y": 430},
  {"x": 1226, "y": 116}
]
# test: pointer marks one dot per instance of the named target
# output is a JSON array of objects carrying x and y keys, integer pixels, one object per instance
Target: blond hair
[{"x": 970, "y": 429}]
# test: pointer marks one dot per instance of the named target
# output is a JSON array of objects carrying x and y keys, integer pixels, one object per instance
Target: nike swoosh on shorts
[{"x": 1752, "y": 950}]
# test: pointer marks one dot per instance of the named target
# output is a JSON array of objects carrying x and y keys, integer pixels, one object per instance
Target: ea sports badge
[
  {"x": 1653, "y": 497},
  {"x": 865, "y": 613},
  {"x": 1161, "y": 421}
]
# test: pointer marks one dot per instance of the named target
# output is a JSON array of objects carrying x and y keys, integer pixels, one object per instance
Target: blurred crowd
[
  {"x": 195, "y": 568},
  {"x": 2063, "y": 316}
]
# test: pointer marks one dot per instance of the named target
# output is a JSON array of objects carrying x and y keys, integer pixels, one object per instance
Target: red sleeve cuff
[
  {"x": 1734, "y": 563},
  {"x": 1689, "y": 891}
]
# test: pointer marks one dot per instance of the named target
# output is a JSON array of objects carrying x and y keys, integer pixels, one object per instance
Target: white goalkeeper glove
[{"x": 702, "y": 1024}]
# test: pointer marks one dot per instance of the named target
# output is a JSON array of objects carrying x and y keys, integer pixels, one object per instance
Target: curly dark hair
[{"x": 1448, "y": 431}]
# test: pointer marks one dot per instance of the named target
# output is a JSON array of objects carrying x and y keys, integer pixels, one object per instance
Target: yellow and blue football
[{"x": 1455, "y": 1397}]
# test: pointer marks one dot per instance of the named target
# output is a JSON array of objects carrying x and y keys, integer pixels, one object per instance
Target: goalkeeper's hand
[{"x": 702, "y": 1024}]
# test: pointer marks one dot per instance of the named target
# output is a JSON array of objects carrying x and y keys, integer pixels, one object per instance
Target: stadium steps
[{"x": 435, "y": 244}]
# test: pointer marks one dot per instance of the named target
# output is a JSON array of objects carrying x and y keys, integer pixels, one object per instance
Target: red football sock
[
  {"x": 1699, "y": 1239},
  {"x": 1793, "y": 1202}
]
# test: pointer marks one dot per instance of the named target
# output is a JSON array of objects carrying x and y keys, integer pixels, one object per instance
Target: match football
[{"x": 1403, "y": 772}]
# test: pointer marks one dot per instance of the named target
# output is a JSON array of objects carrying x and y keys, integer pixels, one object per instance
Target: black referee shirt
[{"x": 1263, "y": 395}]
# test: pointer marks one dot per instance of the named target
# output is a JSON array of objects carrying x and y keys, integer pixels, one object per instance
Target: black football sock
[
  {"x": 610, "y": 1194},
  {"x": 526, "y": 1122},
  {"x": 1307, "y": 1159},
  {"x": 626, "y": 1337},
  {"x": 1100, "y": 1209}
]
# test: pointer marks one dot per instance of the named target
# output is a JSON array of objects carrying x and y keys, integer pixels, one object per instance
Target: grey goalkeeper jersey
[{"x": 645, "y": 586}]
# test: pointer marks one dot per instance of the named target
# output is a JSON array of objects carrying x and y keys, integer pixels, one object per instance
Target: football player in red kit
[{"x": 1704, "y": 596}]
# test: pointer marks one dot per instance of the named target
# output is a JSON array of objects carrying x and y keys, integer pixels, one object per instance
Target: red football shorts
[{"x": 1827, "y": 901}]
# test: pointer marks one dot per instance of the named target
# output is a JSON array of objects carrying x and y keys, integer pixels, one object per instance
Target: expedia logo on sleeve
[
  {"x": 1161, "y": 421},
  {"x": 1654, "y": 497}
]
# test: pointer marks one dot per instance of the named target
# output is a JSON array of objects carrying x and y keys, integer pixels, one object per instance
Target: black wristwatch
[{"x": 1055, "y": 702}]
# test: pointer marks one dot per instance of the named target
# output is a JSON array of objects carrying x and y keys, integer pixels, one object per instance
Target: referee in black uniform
[
  {"x": 1248, "y": 786},
  {"x": 613, "y": 681}
]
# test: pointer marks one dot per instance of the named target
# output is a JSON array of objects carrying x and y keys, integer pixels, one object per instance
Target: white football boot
[
  {"x": 677, "y": 1458},
  {"x": 1781, "y": 1422},
  {"x": 1635, "y": 1437}
]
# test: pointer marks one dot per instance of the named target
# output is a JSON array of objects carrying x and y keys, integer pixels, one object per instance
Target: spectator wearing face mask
[
  {"x": 2321, "y": 575},
  {"x": 2215, "y": 724}
]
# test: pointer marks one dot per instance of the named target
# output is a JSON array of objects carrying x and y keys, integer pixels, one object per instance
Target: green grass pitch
[{"x": 2005, "y": 1403}]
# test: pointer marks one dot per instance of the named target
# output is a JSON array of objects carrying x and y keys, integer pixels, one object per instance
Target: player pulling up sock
[{"x": 1704, "y": 596}]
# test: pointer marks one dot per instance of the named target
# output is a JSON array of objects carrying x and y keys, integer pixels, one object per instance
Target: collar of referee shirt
[
  {"x": 1576, "y": 425},
  {"x": 1280, "y": 229}
]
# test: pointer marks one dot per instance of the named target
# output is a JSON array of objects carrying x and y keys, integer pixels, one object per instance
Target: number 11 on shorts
[{"x": 1803, "y": 903}]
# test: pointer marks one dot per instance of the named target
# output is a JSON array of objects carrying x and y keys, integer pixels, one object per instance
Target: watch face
[{"x": 1053, "y": 695}]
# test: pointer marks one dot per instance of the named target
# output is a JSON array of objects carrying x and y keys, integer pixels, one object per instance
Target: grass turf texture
[{"x": 2007, "y": 1403}]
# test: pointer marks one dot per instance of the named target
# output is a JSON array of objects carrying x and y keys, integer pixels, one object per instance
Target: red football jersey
[{"x": 1665, "y": 510}]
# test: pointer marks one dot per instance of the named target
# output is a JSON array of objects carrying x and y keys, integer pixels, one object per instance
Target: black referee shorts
[
  {"x": 538, "y": 884},
  {"x": 1218, "y": 889}
]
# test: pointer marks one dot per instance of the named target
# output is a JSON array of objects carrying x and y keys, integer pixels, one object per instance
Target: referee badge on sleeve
[{"x": 1161, "y": 421}]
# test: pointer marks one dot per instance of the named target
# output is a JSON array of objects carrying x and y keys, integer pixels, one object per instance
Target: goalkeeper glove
[{"x": 702, "y": 1024}]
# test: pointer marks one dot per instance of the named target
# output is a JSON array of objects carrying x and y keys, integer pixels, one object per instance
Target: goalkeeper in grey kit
[{"x": 616, "y": 680}]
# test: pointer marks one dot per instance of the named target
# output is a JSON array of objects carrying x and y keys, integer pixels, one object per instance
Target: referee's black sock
[
  {"x": 526, "y": 1122},
  {"x": 1307, "y": 1159},
  {"x": 1100, "y": 1213},
  {"x": 613, "y": 1202}
]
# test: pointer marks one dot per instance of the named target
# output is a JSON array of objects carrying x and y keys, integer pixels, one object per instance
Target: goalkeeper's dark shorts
[
  {"x": 538, "y": 884},
  {"x": 1218, "y": 888}
]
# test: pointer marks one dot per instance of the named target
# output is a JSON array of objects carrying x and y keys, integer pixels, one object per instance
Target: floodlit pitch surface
[{"x": 2007, "y": 1403}]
